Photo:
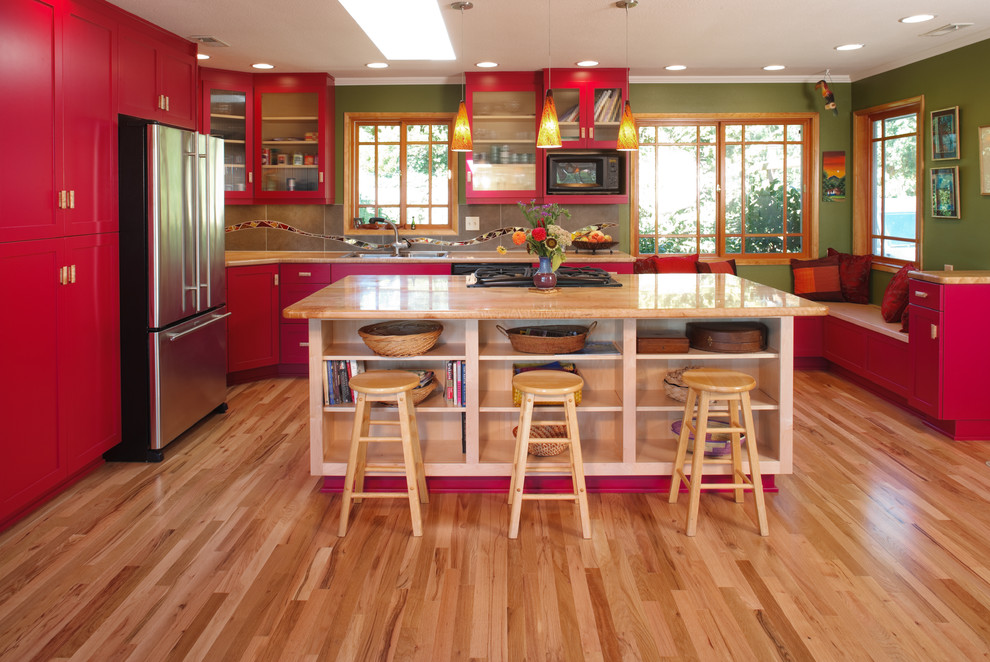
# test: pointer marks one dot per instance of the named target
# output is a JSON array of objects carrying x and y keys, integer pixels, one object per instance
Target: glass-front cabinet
[
  {"x": 505, "y": 166},
  {"x": 227, "y": 113},
  {"x": 589, "y": 105}
]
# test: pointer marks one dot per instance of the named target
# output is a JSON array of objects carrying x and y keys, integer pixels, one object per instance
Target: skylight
[{"x": 403, "y": 29}]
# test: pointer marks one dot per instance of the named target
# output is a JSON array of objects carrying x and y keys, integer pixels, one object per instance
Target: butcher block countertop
[
  {"x": 641, "y": 296},
  {"x": 246, "y": 258},
  {"x": 953, "y": 277}
]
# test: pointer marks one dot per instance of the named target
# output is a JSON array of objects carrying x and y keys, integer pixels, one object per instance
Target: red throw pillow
[
  {"x": 678, "y": 264},
  {"x": 895, "y": 297},
  {"x": 720, "y": 267},
  {"x": 854, "y": 276},
  {"x": 904, "y": 320},
  {"x": 817, "y": 280},
  {"x": 645, "y": 265}
]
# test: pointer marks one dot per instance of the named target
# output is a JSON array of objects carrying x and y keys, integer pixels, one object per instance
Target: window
[
  {"x": 887, "y": 205},
  {"x": 739, "y": 187},
  {"x": 397, "y": 166}
]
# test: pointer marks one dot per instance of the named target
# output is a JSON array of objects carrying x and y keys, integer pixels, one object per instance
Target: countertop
[
  {"x": 245, "y": 258},
  {"x": 641, "y": 296},
  {"x": 952, "y": 277}
]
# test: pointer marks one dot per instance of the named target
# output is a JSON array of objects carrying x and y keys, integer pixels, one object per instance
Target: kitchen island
[{"x": 625, "y": 414}]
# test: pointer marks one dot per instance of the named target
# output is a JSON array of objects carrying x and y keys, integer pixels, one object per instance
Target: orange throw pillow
[{"x": 817, "y": 280}]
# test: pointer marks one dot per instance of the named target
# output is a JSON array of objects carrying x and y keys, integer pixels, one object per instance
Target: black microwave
[{"x": 591, "y": 173}]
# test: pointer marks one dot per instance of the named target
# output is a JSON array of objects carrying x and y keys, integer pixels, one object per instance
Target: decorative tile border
[{"x": 356, "y": 243}]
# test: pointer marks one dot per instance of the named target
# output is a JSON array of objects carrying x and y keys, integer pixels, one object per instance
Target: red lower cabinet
[
  {"x": 252, "y": 328},
  {"x": 298, "y": 282},
  {"x": 59, "y": 399}
]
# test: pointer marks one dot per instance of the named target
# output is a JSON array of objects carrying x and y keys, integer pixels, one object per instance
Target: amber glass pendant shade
[
  {"x": 549, "y": 136},
  {"x": 628, "y": 139},
  {"x": 461, "y": 141}
]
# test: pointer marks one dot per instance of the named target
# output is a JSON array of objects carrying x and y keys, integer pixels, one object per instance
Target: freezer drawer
[{"x": 188, "y": 368}]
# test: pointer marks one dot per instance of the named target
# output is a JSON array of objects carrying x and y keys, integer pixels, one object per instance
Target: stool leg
[
  {"x": 738, "y": 476},
  {"x": 697, "y": 464},
  {"x": 515, "y": 449},
  {"x": 362, "y": 455},
  {"x": 678, "y": 477},
  {"x": 409, "y": 461},
  {"x": 753, "y": 454},
  {"x": 352, "y": 456},
  {"x": 424, "y": 495},
  {"x": 577, "y": 464},
  {"x": 519, "y": 474}
]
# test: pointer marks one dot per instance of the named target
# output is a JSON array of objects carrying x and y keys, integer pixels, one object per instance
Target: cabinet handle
[
  {"x": 934, "y": 331},
  {"x": 468, "y": 175},
  {"x": 591, "y": 132},
  {"x": 582, "y": 132},
  {"x": 305, "y": 274},
  {"x": 276, "y": 280},
  {"x": 161, "y": 102},
  {"x": 72, "y": 273},
  {"x": 62, "y": 277},
  {"x": 61, "y": 199},
  {"x": 921, "y": 295},
  {"x": 250, "y": 178},
  {"x": 304, "y": 344},
  {"x": 166, "y": 103},
  {"x": 321, "y": 177},
  {"x": 72, "y": 199}
]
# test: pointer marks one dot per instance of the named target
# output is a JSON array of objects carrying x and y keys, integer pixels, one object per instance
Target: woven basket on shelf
[
  {"x": 523, "y": 341},
  {"x": 674, "y": 386},
  {"x": 545, "y": 432},
  {"x": 401, "y": 338},
  {"x": 418, "y": 394}
]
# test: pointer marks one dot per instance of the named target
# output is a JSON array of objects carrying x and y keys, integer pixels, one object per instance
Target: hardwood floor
[{"x": 878, "y": 550}]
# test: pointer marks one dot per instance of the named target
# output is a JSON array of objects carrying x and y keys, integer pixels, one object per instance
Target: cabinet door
[
  {"x": 252, "y": 328},
  {"x": 32, "y": 459},
  {"x": 137, "y": 76},
  {"x": 228, "y": 113},
  {"x": 589, "y": 105},
  {"x": 177, "y": 73},
  {"x": 89, "y": 349},
  {"x": 27, "y": 88},
  {"x": 925, "y": 337},
  {"x": 89, "y": 138}
]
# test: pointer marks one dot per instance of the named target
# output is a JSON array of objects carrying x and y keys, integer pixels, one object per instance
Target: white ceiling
[{"x": 716, "y": 39}]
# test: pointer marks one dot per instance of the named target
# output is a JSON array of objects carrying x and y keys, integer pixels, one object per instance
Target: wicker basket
[
  {"x": 593, "y": 245},
  {"x": 401, "y": 338},
  {"x": 418, "y": 394},
  {"x": 545, "y": 432},
  {"x": 522, "y": 340},
  {"x": 674, "y": 386},
  {"x": 717, "y": 444}
]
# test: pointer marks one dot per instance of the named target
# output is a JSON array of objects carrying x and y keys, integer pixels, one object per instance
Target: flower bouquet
[{"x": 545, "y": 238}]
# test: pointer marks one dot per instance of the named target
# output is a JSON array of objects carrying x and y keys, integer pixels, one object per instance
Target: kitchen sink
[{"x": 402, "y": 255}]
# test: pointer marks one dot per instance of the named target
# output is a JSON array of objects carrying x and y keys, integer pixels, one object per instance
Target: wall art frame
[
  {"x": 984, "y": 160},
  {"x": 945, "y": 134},
  {"x": 945, "y": 192}
]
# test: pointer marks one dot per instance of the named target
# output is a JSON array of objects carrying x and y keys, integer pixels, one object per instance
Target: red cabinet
[
  {"x": 228, "y": 113},
  {"x": 60, "y": 396},
  {"x": 252, "y": 328},
  {"x": 157, "y": 76},
  {"x": 589, "y": 105},
  {"x": 58, "y": 63},
  {"x": 298, "y": 282}
]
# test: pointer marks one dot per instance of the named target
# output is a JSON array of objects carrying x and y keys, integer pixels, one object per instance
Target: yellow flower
[{"x": 502, "y": 250}]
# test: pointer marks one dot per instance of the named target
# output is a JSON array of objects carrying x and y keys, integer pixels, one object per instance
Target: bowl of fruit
[{"x": 592, "y": 240}]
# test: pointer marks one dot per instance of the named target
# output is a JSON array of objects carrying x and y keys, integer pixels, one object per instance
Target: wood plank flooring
[{"x": 878, "y": 550}]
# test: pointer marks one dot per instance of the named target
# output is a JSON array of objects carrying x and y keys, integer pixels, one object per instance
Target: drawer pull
[
  {"x": 304, "y": 344},
  {"x": 934, "y": 331},
  {"x": 305, "y": 274},
  {"x": 921, "y": 295}
]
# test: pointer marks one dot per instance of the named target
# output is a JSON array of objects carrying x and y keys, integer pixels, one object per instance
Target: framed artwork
[
  {"x": 945, "y": 134},
  {"x": 833, "y": 176},
  {"x": 945, "y": 192},
  {"x": 985, "y": 160}
]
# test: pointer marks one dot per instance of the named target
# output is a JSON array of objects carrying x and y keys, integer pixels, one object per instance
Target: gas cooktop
[{"x": 513, "y": 275}]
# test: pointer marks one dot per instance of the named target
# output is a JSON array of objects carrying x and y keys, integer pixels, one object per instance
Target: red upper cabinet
[
  {"x": 293, "y": 138},
  {"x": 505, "y": 166},
  {"x": 58, "y": 63},
  {"x": 157, "y": 75},
  {"x": 228, "y": 112},
  {"x": 589, "y": 105}
]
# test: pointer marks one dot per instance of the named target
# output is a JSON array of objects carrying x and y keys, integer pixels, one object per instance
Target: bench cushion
[{"x": 867, "y": 316}]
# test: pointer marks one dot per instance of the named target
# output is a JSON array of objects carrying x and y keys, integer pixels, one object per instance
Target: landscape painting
[{"x": 833, "y": 176}]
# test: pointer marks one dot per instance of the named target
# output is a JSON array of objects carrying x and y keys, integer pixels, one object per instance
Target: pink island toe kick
[{"x": 625, "y": 415}]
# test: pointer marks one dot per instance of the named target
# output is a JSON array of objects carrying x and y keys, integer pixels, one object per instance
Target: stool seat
[
  {"x": 383, "y": 381},
  {"x": 550, "y": 387},
  {"x": 705, "y": 386}
]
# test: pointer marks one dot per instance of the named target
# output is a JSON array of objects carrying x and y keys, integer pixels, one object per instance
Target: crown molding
[
  {"x": 673, "y": 80},
  {"x": 421, "y": 80}
]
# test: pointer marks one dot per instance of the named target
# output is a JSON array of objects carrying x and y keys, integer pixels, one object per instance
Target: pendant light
[
  {"x": 461, "y": 141},
  {"x": 549, "y": 135},
  {"x": 628, "y": 139}
]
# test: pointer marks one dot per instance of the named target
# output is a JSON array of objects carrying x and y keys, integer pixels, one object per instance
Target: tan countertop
[
  {"x": 952, "y": 277},
  {"x": 640, "y": 297},
  {"x": 245, "y": 258}
]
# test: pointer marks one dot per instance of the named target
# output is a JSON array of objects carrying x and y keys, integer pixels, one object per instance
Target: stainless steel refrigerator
[{"x": 173, "y": 331}]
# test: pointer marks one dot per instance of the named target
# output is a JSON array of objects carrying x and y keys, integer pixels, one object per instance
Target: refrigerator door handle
[{"x": 172, "y": 337}]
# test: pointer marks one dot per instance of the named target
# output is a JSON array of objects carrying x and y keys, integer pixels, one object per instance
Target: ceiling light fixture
[
  {"x": 263, "y": 65},
  {"x": 587, "y": 63},
  {"x": 917, "y": 18},
  {"x": 486, "y": 64},
  {"x": 849, "y": 47},
  {"x": 403, "y": 29},
  {"x": 549, "y": 135},
  {"x": 202, "y": 56},
  {"x": 628, "y": 140},
  {"x": 377, "y": 65},
  {"x": 675, "y": 67},
  {"x": 773, "y": 67},
  {"x": 461, "y": 141}
]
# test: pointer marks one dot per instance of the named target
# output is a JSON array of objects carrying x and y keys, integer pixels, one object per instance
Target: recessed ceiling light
[
  {"x": 403, "y": 29},
  {"x": 675, "y": 67},
  {"x": 486, "y": 65},
  {"x": 202, "y": 56},
  {"x": 849, "y": 47},
  {"x": 263, "y": 65},
  {"x": 377, "y": 65},
  {"x": 587, "y": 63},
  {"x": 773, "y": 67},
  {"x": 917, "y": 18}
]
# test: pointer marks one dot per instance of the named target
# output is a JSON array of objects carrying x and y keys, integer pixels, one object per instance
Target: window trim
[
  {"x": 812, "y": 163},
  {"x": 863, "y": 174},
  {"x": 351, "y": 123}
]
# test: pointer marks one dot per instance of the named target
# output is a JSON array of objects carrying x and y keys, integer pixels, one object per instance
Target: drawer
[
  {"x": 925, "y": 294},
  {"x": 293, "y": 343},
  {"x": 294, "y": 274},
  {"x": 291, "y": 293}
]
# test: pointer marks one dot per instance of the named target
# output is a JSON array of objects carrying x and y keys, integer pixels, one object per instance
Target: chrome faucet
[{"x": 398, "y": 243}]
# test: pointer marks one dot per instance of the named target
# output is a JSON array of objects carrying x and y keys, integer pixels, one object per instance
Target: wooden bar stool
[
  {"x": 705, "y": 386},
  {"x": 547, "y": 386},
  {"x": 385, "y": 386}
]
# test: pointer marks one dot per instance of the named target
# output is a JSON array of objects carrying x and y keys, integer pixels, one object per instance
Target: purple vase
[{"x": 544, "y": 278}]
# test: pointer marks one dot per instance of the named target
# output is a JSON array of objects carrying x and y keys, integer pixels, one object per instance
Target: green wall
[{"x": 957, "y": 78}]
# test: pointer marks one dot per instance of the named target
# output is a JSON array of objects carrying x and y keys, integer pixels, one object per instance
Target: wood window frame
[
  {"x": 811, "y": 169},
  {"x": 863, "y": 174},
  {"x": 352, "y": 122}
]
